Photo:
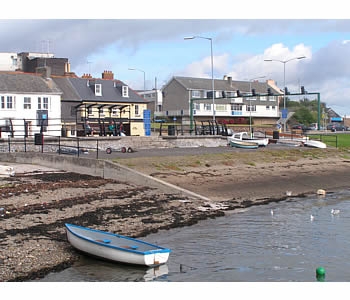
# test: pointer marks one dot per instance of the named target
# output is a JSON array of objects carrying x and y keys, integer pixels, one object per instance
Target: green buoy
[{"x": 320, "y": 273}]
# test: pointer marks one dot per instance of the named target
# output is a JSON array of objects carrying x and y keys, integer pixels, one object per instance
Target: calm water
[{"x": 250, "y": 245}]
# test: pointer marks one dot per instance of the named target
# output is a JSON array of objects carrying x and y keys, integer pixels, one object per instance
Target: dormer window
[
  {"x": 125, "y": 91},
  {"x": 98, "y": 89}
]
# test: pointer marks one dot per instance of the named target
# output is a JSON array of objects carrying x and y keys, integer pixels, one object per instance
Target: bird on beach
[
  {"x": 335, "y": 211},
  {"x": 271, "y": 211},
  {"x": 312, "y": 217}
]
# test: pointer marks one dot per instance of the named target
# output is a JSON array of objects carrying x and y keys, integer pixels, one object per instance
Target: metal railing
[{"x": 50, "y": 144}]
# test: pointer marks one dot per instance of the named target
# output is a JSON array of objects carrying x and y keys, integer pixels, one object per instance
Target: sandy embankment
[{"x": 38, "y": 201}]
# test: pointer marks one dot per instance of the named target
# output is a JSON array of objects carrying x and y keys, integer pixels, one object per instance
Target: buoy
[
  {"x": 320, "y": 273},
  {"x": 321, "y": 192}
]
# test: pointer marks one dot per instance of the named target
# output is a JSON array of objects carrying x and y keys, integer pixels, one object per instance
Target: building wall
[
  {"x": 175, "y": 97},
  {"x": 57, "y": 65},
  {"x": 8, "y": 61}
]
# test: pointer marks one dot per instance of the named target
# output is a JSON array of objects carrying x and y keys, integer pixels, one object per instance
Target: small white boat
[
  {"x": 6, "y": 171},
  {"x": 244, "y": 136},
  {"x": 243, "y": 144},
  {"x": 115, "y": 247},
  {"x": 315, "y": 144}
]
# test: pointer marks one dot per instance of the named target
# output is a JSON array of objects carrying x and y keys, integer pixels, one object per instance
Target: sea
[{"x": 288, "y": 241}]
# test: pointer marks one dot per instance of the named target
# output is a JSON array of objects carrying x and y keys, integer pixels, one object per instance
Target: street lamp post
[
  {"x": 144, "y": 78},
  {"x": 284, "y": 82},
  {"x": 250, "y": 103},
  {"x": 212, "y": 66}
]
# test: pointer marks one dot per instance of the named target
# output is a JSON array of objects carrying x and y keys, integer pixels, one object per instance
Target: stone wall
[{"x": 52, "y": 144}]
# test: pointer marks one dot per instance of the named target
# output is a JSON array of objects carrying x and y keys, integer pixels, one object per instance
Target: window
[
  {"x": 27, "y": 104},
  {"x": 90, "y": 110},
  {"x": 114, "y": 111},
  {"x": 9, "y": 102},
  {"x": 236, "y": 107},
  {"x": 251, "y": 107},
  {"x": 98, "y": 90},
  {"x": 125, "y": 91},
  {"x": 39, "y": 103},
  {"x": 2, "y": 102},
  {"x": 267, "y": 107},
  {"x": 45, "y": 103},
  {"x": 207, "y": 106},
  {"x": 197, "y": 106},
  {"x": 230, "y": 94},
  {"x": 196, "y": 94},
  {"x": 136, "y": 110},
  {"x": 220, "y": 107}
]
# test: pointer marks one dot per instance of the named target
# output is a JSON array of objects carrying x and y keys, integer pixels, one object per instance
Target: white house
[
  {"x": 8, "y": 61},
  {"x": 190, "y": 98},
  {"x": 29, "y": 104}
]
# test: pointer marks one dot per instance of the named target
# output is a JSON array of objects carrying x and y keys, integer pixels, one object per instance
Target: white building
[
  {"x": 13, "y": 61},
  {"x": 8, "y": 61},
  {"x": 29, "y": 104},
  {"x": 154, "y": 98}
]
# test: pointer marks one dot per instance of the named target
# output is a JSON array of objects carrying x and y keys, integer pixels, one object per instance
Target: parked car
[
  {"x": 336, "y": 127},
  {"x": 311, "y": 127},
  {"x": 300, "y": 127}
]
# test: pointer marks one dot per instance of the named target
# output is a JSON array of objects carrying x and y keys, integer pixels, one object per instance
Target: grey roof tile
[
  {"x": 222, "y": 84},
  {"x": 26, "y": 83},
  {"x": 79, "y": 89}
]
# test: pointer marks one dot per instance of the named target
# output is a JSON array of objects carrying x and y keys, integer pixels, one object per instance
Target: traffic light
[
  {"x": 303, "y": 90},
  {"x": 253, "y": 92},
  {"x": 238, "y": 93},
  {"x": 286, "y": 91},
  {"x": 269, "y": 92}
]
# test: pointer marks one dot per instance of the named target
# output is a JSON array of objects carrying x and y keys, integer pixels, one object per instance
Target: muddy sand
[{"x": 37, "y": 202}]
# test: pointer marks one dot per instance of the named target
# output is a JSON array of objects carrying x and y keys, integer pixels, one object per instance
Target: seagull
[
  {"x": 335, "y": 211},
  {"x": 271, "y": 211},
  {"x": 312, "y": 217}
]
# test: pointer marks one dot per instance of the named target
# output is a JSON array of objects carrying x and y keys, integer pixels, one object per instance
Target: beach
[{"x": 37, "y": 202}]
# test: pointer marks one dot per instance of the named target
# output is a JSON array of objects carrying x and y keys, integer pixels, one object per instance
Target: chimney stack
[
  {"x": 107, "y": 75},
  {"x": 86, "y": 76}
]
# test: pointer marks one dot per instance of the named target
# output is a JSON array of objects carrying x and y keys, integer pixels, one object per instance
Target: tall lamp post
[
  {"x": 250, "y": 103},
  {"x": 284, "y": 82},
  {"x": 144, "y": 78},
  {"x": 212, "y": 66}
]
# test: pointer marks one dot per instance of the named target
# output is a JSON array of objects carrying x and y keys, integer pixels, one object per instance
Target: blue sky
[{"x": 105, "y": 35}]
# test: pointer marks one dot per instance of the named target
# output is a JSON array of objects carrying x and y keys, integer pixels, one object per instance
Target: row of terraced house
[{"x": 40, "y": 94}]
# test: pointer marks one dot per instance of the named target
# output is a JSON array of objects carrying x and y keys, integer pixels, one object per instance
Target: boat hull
[
  {"x": 243, "y": 144},
  {"x": 244, "y": 137},
  {"x": 315, "y": 144},
  {"x": 114, "y": 247}
]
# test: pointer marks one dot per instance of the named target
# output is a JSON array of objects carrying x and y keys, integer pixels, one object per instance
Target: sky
[{"x": 148, "y": 36}]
